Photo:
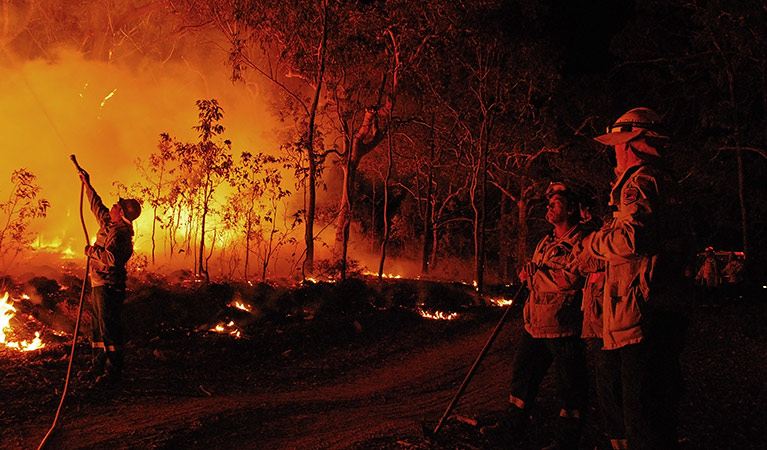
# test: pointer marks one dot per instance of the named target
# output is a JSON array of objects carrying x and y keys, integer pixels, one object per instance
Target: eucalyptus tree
[
  {"x": 495, "y": 80},
  {"x": 286, "y": 43},
  {"x": 158, "y": 173},
  {"x": 701, "y": 65},
  {"x": 253, "y": 209}
]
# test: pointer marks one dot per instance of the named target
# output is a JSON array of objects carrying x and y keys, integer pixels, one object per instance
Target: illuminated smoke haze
[{"x": 109, "y": 115}]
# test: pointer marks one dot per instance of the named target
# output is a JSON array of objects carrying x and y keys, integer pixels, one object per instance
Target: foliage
[
  {"x": 16, "y": 215},
  {"x": 513, "y": 91},
  {"x": 254, "y": 209}
]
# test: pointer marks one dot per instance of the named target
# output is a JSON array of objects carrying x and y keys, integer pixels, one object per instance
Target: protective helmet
[
  {"x": 131, "y": 208},
  {"x": 636, "y": 123},
  {"x": 559, "y": 188}
]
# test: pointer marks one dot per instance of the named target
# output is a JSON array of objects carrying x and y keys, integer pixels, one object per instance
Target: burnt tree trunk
[
  {"x": 385, "y": 240},
  {"x": 363, "y": 142},
  {"x": 427, "y": 216},
  {"x": 308, "y": 266}
]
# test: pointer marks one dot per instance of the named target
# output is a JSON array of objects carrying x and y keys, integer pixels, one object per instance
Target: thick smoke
[{"x": 109, "y": 115}]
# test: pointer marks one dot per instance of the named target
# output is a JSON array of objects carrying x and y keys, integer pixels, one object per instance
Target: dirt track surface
[{"x": 370, "y": 389}]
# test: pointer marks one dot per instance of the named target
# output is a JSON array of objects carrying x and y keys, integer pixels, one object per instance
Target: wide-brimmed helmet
[{"x": 635, "y": 124}]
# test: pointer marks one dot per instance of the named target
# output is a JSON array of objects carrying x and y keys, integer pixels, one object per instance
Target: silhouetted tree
[{"x": 16, "y": 215}]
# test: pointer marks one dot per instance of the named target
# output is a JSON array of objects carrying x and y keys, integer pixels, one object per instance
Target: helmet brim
[{"x": 621, "y": 137}]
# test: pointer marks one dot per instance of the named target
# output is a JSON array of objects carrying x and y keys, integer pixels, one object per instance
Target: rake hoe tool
[{"x": 431, "y": 434}]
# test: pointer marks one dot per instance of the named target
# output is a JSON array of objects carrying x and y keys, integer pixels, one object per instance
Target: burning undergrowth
[{"x": 156, "y": 304}]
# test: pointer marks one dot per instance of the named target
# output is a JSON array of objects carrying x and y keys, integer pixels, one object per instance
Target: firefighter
[
  {"x": 608, "y": 390},
  {"x": 647, "y": 252},
  {"x": 733, "y": 276},
  {"x": 709, "y": 279},
  {"x": 553, "y": 321},
  {"x": 108, "y": 256}
]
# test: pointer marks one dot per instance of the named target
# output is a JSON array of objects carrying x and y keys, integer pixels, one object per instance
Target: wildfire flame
[
  {"x": 240, "y": 305},
  {"x": 7, "y": 312},
  {"x": 437, "y": 315},
  {"x": 227, "y": 328},
  {"x": 385, "y": 275}
]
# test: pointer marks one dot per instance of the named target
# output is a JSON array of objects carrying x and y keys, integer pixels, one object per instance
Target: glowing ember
[
  {"x": 7, "y": 312},
  {"x": 228, "y": 328},
  {"x": 111, "y": 94},
  {"x": 437, "y": 315}
]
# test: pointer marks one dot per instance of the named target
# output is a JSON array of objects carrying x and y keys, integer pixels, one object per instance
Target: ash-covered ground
[{"x": 342, "y": 366}]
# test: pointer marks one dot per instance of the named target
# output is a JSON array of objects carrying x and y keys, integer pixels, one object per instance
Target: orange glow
[
  {"x": 110, "y": 116},
  {"x": 7, "y": 312}
]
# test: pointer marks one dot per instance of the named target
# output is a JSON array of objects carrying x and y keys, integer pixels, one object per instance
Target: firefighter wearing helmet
[
  {"x": 553, "y": 319},
  {"x": 646, "y": 249},
  {"x": 107, "y": 258}
]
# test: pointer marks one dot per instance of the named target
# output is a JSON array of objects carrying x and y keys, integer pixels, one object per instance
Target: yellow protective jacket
[
  {"x": 113, "y": 246},
  {"x": 553, "y": 308},
  {"x": 593, "y": 296},
  {"x": 708, "y": 275},
  {"x": 647, "y": 249}
]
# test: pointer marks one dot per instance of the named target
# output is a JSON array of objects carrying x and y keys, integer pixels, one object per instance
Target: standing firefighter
[
  {"x": 647, "y": 287},
  {"x": 108, "y": 256},
  {"x": 608, "y": 389},
  {"x": 553, "y": 321},
  {"x": 709, "y": 278}
]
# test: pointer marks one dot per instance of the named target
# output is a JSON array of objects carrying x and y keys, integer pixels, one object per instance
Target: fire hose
[
  {"x": 79, "y": 314},
  {"x": 429, "y": 434}
]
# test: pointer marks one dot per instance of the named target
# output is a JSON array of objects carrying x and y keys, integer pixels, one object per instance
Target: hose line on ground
[{"x": 77, "y": 322}]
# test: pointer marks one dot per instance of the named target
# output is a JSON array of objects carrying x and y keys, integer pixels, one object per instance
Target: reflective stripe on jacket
[{"x": 554, "y": 306}]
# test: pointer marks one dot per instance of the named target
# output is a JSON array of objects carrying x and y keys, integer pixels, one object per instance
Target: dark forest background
[{"x": 446, "y": 120}]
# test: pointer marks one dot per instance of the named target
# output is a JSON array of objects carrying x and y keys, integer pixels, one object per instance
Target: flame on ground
[
  {"x": 240, "y": 305},
  {"x": 7, "y": 312},
  {"x": 437, "y": 315},
  {"x": 501, "y": 301},
  {"x": 227, "y": 328},
  {"x": 385, "y": 275}
]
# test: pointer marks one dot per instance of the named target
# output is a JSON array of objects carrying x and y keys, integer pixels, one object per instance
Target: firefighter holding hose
[{"x": 107, "y": 258}]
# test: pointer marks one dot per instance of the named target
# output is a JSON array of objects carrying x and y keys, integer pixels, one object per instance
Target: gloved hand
[
  {"x": 90, "y": 251},
  {"x": 85, "y": 177},
  {"x": 582, "y": 262},
  {"x": 527, "y": 272}
]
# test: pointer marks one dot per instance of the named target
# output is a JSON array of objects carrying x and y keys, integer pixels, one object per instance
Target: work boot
[
  {"x": 89, "y": 375},
  {"x": 97, "y": 368},
  {"x": 509, "y": 429},
  {"x": 568, "y": 434},
  {"x": 108, "y": 378}
]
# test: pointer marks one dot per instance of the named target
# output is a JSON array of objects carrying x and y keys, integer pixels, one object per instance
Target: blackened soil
[{"x": 367, "y": 378}]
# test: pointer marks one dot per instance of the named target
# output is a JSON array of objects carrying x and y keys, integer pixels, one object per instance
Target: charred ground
[{"x": 324, "y": 365}]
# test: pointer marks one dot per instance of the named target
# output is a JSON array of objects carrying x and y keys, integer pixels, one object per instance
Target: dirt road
[
  {"x": 356, "y": 385},
  {"x": 386, "y": 401}
]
